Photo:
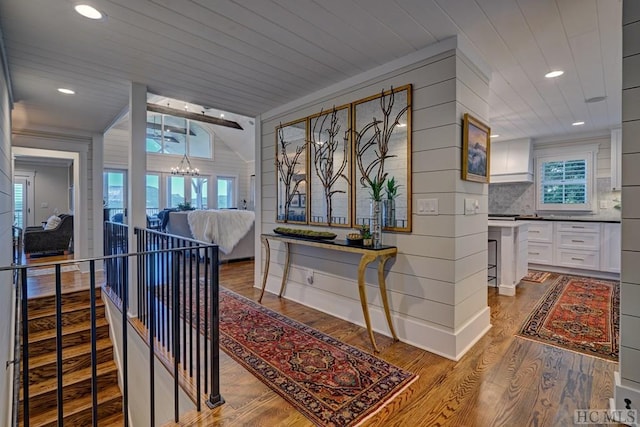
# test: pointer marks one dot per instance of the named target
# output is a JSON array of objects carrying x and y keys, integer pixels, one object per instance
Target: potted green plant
[
  {"x": 389, "y": 205},
  {"x": 376, "y": 188},
  {"x": 185, "y": 206},
  {"x": 365, "y": 232}
]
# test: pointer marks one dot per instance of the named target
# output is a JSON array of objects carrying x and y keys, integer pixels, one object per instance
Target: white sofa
[{"x": 178, "y": 225}]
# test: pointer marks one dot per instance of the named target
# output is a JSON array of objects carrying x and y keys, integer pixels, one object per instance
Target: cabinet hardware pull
[
  {"x": 577, "y": 226},
  {"x": 577, "y": 241},
  {"x": 577, "y": 259},
  {"x": 534, "y": 231},
  {"x": 534, "y": 253}
]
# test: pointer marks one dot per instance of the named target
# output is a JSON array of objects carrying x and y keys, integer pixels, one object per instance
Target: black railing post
[
  {"x": 25, "y": 347},
  {"x": 124, "y": 298},
  {"x": 59, "y": 343},
  {"x": 175, "y": 310},
  {"x": 215, "y": 399},
  {"x": 94, "y": 338}
]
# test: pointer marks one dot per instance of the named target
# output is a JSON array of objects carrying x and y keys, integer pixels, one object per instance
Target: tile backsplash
[
  {"x": 520, "y": 198},
  {"x": 512, "y": 198}
]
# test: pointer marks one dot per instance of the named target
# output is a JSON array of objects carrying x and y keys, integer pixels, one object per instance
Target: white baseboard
[
  {"x": 576, "y": 271},
  {"x": 427, "y": 336}
]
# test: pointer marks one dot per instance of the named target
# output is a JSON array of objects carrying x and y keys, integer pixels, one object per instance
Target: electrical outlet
[{"x": 309, "y": 275}]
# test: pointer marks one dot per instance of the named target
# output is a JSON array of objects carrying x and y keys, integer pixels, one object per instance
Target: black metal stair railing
[{"x": 173, "y": 276}]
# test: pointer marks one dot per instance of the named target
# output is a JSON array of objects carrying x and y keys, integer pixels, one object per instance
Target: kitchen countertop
[
  {"x": 567, "y": 218},
  {"x": 506, "y": 224}
]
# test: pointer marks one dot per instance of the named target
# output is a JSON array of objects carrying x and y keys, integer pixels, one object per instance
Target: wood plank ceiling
[{"x": 248, "y": 56}]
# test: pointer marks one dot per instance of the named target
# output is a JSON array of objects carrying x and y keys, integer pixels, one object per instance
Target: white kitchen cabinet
[
  {"x": 610, "y": 249},
  {"x": 540, "y": 248},
  {"x": 511, "y": 161},
  {"x": 575, "y": 245},
  {"x": 512, "y": 263}
]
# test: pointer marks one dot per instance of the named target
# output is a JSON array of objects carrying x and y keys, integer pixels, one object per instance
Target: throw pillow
[{"x": 52, "y": 222}]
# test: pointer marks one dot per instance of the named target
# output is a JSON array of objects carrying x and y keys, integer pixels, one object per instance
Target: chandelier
[{"x": 185, "y": 168}]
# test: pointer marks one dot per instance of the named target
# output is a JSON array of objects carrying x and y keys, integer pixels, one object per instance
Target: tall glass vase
[
  {"x": 389, "y": 213},
  {"x": 376, "y": 222}
]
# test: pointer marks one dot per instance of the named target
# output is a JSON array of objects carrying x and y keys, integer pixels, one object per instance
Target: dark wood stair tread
[
  {"x": 69, "y": 352},
  {"x": 68, "y": 379},
  {"x": 35, "y": 337},
  {"x": 76, "y": 406},
  {"x": 38, "y": 313}
]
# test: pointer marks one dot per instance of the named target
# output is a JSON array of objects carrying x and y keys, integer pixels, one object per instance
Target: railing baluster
[
  {"x": 59, "y": 344},
  {"x": 25, "y": 347},
  {"x": 94, "y": 338},
  {"x": 152, "y": 344},
  {"x": 198, "y": 334},
  {"x": 175, "y": 310},
  {"x": 206, "y": 321}
]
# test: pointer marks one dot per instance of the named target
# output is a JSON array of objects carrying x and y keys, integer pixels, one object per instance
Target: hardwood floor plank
[{"x": 502, "y": 380}]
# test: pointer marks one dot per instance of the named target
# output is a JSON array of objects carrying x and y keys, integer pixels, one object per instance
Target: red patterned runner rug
[
  {"x": 579, "y": 314},
  {"x": 536, "y": 276},
  {"x": 330, "y": 382}
]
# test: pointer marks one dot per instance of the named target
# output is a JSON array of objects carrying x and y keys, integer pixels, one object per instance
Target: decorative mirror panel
[
  {"x": 291, "y": 172},
  {"x": 329, "y": 168},
  {"x": 382, "y": 156}
]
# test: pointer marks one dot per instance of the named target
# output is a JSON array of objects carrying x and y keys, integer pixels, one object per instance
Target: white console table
[{"x": 512, "y": 255}]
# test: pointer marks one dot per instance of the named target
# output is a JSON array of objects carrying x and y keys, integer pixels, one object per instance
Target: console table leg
[
  {"x": 265, "y": 243},
  {"x": 364, "y": 261},
  {"x": 383, "y": 293},
  {"x": 285, "y": 274}
]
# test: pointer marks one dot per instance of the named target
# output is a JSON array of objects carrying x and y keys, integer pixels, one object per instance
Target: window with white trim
[{"x": 565, "y": 178}]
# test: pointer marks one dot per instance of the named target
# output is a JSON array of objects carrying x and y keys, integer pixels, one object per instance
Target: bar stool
[{"x": 490, "y": 266}]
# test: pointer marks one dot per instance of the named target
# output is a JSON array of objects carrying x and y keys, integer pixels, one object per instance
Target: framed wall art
[{"x": 476, "y": 144}]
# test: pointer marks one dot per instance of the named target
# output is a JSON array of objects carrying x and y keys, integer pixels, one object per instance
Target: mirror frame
[
  {"x": 300, "y": 150},
  {"x": 359, "y": 192},
  {"x": 341, "y": 132}
]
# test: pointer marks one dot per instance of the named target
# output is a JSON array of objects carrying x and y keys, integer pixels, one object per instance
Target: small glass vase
[{"x": 376, "y": 222}]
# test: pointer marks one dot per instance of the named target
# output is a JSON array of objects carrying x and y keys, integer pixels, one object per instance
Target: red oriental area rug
[
  {"x": 330, "y": 382},
  {"x": 579, "y": 314}
]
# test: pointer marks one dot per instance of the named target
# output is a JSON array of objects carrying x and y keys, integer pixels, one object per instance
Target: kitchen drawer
[
  {"x": 578, "y": 259},
  {"x": 578, "y": 227},
  {"x": 540, "y": 253},
  {"x": 540, "y": 231},
  {"x": 575, "y": 240}
]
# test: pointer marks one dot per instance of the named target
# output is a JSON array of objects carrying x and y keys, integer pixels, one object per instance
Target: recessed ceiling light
[
  {"x": 495, "y": 135},
  {"x": 66, "y": 91},
  {"x": 555, "y": 73},
  {"x": 89, "y": 12},
  {"x": 595, "y": 99},
  {"x": 577, "y": 123},
  {"x": 221, "y": 114}
]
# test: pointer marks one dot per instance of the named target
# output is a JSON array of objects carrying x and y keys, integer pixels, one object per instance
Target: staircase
[{"x": 76, "y": 364}]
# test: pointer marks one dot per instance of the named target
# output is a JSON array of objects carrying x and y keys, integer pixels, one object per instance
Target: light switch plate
[
  {"x": 427, "y": 206},
  {"x": 471, "y": 206},
  {"x": 604, "y": 204}
]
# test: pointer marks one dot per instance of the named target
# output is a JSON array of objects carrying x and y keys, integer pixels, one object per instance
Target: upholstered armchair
[{"x": 58, "y": 239}]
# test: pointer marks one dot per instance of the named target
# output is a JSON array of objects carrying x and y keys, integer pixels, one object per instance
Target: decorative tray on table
[
  {"x": 354, "y": 239},
  {"x": 305, "y": 234}
]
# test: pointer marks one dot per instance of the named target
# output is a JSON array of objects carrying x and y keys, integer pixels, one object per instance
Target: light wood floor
[{"x": 502, "y": 381}]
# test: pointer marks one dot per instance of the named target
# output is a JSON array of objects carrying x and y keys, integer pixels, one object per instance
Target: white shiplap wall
[
  {"x": 225, "y": 162},
  {"x": 6, "y": 220},
  {"x": 437, "y": 285},
  {"x": 628, "y": 381}
]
